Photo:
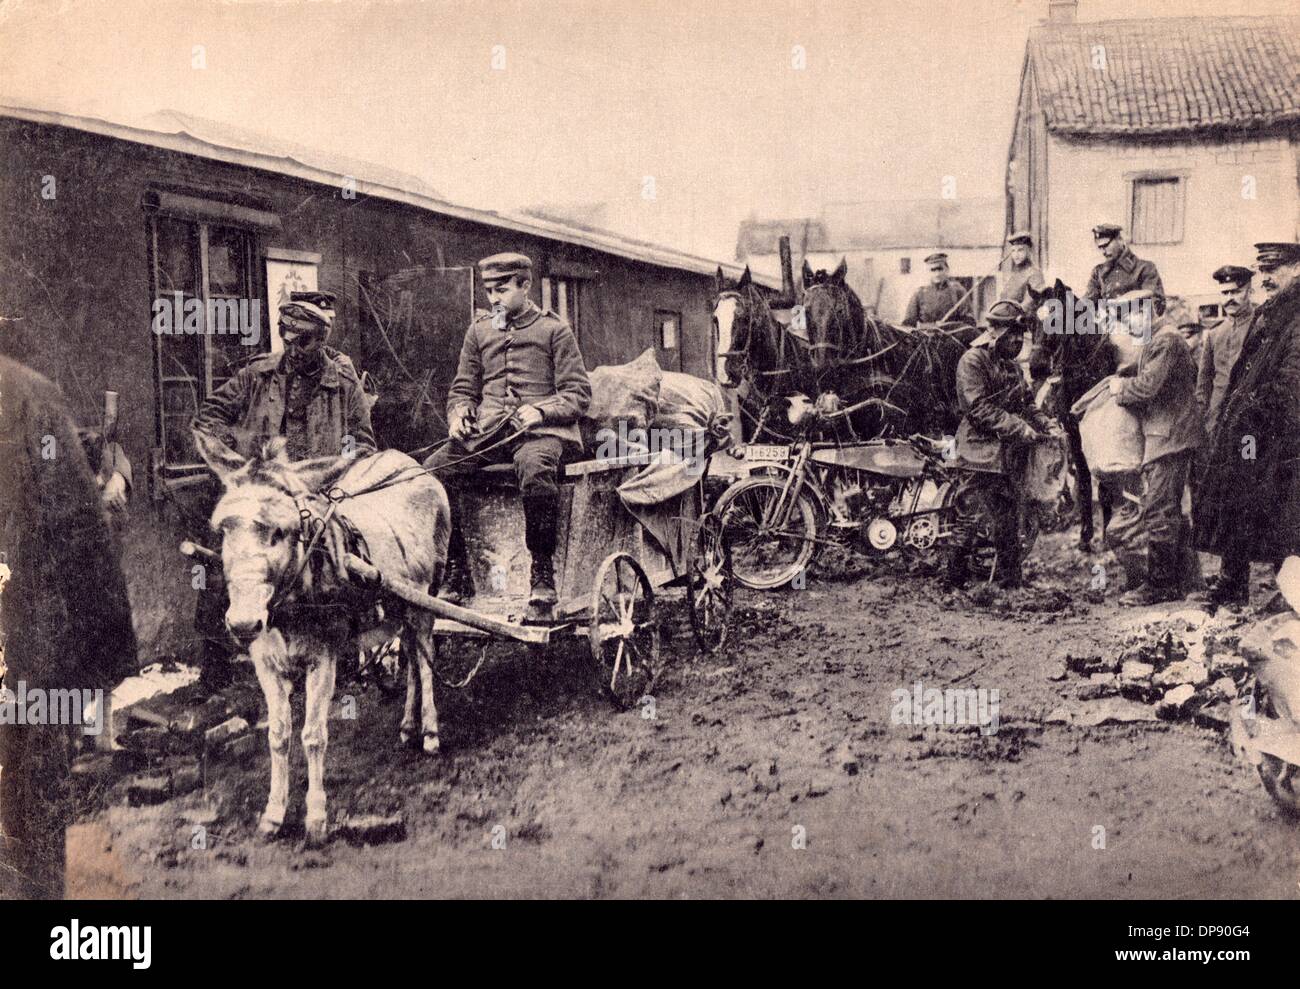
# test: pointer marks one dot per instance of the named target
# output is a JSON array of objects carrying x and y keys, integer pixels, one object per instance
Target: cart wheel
[
  {"x": 710, "y": 586},
  {"x": 623, "y": 633}
]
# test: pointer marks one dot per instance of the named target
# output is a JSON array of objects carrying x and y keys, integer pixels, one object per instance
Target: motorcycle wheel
[{"x": 765, "y": 560}]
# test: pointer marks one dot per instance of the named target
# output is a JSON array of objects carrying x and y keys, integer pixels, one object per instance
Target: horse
[
  {"x": 1081, "y": 359},
  {"x": 754, "y": 350},
  {"x": 858, "y": 357},
  {"x": 294, "y": 618}
]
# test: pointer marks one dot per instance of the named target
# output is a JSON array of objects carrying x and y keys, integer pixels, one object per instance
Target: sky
[{"x": 684, "y": 117}]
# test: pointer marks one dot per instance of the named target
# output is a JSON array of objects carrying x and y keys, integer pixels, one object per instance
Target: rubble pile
[{"x": 1178, "y": 667}]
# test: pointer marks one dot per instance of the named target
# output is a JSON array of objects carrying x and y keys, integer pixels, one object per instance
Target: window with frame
[
  {"x": 668, "y": 327},
  {"x": 193, "y": 260},
  {"x": 561, "y": 296},
  {"x": 1156, "y": 209}
]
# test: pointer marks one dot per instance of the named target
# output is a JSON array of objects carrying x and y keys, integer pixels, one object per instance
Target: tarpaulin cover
[
  {"x": 622, "y": 393},
  {"x": 1111, "y": 434}
]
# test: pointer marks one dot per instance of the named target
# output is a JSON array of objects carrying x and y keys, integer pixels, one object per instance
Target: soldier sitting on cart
[{"x": 520, "y": 373}]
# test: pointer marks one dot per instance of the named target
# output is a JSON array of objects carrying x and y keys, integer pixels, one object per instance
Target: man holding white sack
[{"x": 1160, "y": 389}]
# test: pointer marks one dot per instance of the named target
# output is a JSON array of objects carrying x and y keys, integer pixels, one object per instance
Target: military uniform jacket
[
  {"x": 253, "y": 407},
  {"x": 1016, "y": 279},
  {"x": 997, "y": 409},
  {"x": 1220, "y": 348},
  {"x": 1162, "y": 394},
  {"x": 931, "y": 304},
  {"x": 533, "y": 361},
  {"x": 1111, "y": 279}
]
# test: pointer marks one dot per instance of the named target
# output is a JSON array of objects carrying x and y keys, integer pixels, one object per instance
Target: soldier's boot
[
  {"x": 457, "y": 581},
  {"x": 539, "y": 536},
  {"x": 1163, "y": 581}
]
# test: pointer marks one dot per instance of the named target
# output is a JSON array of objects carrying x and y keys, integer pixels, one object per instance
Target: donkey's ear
[
  {"x": 276, "y": 449},
  {"x": 320, "y": 473},
  {"x": 223, "y": 460},
  {"x": 838, "y": 274}
]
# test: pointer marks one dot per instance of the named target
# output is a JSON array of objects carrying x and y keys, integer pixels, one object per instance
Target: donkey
[
  {"x": 1081, "y": 360},
  {"x": 280, "y": 604}
]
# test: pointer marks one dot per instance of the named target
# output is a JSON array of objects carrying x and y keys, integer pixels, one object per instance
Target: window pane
[
  {"x": 175, "y": 271},
  {"x": 226, "y": 268}
]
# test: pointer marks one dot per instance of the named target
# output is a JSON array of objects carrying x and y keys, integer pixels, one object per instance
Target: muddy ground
[{"x": 785, "y": 739}]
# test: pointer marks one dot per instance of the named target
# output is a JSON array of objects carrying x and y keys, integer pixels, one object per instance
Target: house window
[
  {"x": 667, "y": 329},
  {"x": 904, "y": 266},
  {"x": 561, "y": 295},
  {"x": 1156, "y": 210},
  {"x": 203, "y": 273}
]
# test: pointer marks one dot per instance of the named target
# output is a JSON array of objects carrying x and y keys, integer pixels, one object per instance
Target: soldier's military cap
[
  {"x": 1021, "y": 237},
  {"x": 1273, "y": 254},
  {"x": 1002, "y": 316},
  {"x": 1234, "y": 275},
  {"x": 499, "y": 266},
  {"x": 934, "y": 260},
  {"x": 308, "y": 310},
  {"x": 1106, "y": 231}
]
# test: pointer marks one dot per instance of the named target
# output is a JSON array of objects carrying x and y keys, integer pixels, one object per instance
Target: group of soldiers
[{"x": 1219, "y": 413}]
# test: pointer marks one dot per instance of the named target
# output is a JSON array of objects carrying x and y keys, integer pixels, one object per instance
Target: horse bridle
[
  {"x": 744, "y": 362},
  {"x": 839, "y": 347}
]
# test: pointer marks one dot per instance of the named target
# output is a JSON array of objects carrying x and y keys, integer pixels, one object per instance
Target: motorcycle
[
  {"x": 1266, "y": 728},
  {"x": 876, "y": 495}
]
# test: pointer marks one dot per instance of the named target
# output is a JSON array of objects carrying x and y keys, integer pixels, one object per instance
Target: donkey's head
[{"x": 259, "y": 520}]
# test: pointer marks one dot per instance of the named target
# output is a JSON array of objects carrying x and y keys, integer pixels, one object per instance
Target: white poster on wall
[{"x": 287, "y": 271}]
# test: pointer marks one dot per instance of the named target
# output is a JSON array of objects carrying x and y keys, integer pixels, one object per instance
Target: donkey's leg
[
  {"x": 411, "y": 708},
  {"x": 420, "y": 631},
  {"x": 315, "y": 737},
  {"x": 279, "y": 717}
]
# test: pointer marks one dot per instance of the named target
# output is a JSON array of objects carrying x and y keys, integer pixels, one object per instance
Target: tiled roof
[{"x": 1167, "y": 75}]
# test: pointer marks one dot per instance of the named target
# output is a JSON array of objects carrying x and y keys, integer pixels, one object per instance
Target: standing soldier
[
  {"x": 1019, "y": 273},
  {"x": 1122, "y": 272},
  {"x": 1221, "y": 343},
  {"x": 1161, "y": 390},
  {"x": 999, "y": 423},
  {"x": 934, "y": 302},
  {"x": 306, "y": 393},
  {"x": 1248, "y": 502},
  {"x": 520, "y": 369}
]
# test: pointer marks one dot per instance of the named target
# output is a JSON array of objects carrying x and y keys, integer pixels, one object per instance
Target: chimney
[{"x": 1062, "y": 11}]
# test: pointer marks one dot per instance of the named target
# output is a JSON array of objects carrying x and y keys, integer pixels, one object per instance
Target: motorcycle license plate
[{"x": 767, "y": 451}]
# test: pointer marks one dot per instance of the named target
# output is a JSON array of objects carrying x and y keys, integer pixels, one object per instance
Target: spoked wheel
[
  {"x": 766, "y": 552},
  {"x": 709, "y": 586},
  {"x": 623, "y": 633}
]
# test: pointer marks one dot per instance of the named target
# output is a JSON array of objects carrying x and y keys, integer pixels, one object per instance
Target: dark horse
[
  {"x": 859, "y": 357},
  {"x": 1081, "y": 360},
  {"x": 755, "y": 353}
]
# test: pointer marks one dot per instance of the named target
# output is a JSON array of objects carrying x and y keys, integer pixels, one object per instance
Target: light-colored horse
[{"x": 405, "y": 526}]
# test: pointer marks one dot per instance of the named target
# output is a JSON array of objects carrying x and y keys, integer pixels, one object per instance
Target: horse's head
[
  {"x": 739, "y": 315},
  {"x": 832, "y": 313},
  {"x": 260, "y": 522}
]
